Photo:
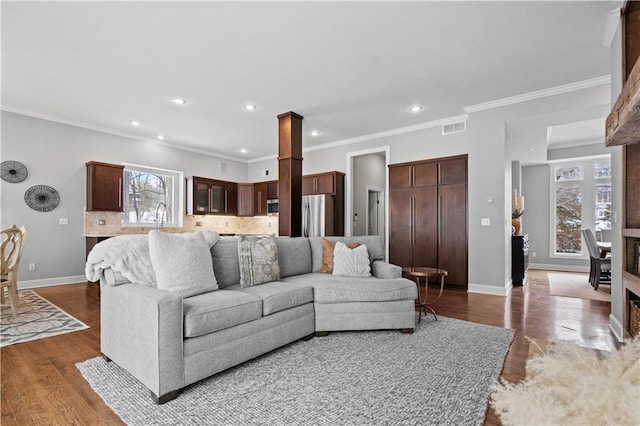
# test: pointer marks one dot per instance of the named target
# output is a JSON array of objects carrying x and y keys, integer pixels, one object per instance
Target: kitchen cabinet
[
  {"x": 260, "y": 195},
  {"x": 104, "y": 186},
  {"x": 211, "y": 196},
  {"x": 245, "y": 199},
  {"x": 321, "y": 183},
  {"x": 428, "y": 215},
  {"x": 272, "y": 190}
]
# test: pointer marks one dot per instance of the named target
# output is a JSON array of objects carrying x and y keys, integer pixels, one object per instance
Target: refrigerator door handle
[{"x": 305, "y": 220}]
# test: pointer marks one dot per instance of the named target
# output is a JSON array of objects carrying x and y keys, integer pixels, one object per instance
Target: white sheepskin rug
[{"x": 570, "y": 385}]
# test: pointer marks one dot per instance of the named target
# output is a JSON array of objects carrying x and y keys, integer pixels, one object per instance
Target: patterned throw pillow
[
  {"x": 258, "y": 258},
  {"x": 351, "y": 262},
  {"x": 327, "y": 255}
]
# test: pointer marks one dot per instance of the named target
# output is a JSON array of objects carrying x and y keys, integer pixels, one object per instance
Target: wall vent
[
  {"x": 223, "y": 167},
  {"x": 457, "y": 127}
]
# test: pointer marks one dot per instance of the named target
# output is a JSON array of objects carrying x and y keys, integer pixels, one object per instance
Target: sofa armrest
[
  {"x": 381, "y": 269},
  {"x": 142, "y": 331}
]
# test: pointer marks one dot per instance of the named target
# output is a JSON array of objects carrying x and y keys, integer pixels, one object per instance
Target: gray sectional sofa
[{"x": 168, "y": 342}]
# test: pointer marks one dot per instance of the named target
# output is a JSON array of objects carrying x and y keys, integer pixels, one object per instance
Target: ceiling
[{"x": 350, "y": 68}]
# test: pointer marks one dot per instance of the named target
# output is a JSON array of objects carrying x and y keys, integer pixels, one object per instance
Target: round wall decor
[
  {"x": 42, "y": 198},
  {"x": 13, "y": 171}
]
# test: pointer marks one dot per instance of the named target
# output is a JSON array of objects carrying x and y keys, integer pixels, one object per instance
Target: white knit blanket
[{"x": 129, "y": 255}]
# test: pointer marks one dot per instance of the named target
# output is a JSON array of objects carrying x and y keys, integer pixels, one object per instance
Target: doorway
[{"x": 367, "y": 173}]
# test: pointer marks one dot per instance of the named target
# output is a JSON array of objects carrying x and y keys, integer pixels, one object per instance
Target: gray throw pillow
[
  {"x": 182, "y": 263},
  {"x": 258, "y": 258}
]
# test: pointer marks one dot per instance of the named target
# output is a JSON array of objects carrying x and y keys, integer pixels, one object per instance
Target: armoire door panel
[
  {"x": 400, "y": 241},
  {"x": 400, "y": 177},
  {"x": 425, "y": 226},
  {"x": 453, "y": 171},
  {"x": 452, "y": 249}
]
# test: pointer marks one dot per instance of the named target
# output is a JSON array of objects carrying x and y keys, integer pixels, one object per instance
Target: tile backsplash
[{"x": 221, "y": 224}]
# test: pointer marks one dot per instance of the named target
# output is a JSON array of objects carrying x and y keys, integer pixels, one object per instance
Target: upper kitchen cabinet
[
  {"x": 260, "y": 195},
  {"x": 322, "y": 183},
  {"x": 211, "y": 196},
  {"x": 104, "y": 186},
  {"x": 245, "y": 199},
  {"x": 272, "y": 190}
]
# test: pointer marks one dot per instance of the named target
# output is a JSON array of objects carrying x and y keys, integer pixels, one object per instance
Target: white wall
[{"x": 55, "y": 155}]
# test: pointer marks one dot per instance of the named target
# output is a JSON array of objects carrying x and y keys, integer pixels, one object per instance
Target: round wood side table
[{"x": 422, "y": 273}]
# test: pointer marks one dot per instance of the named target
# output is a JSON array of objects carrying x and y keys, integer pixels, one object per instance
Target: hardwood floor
[{"x": 41, "y": 385}]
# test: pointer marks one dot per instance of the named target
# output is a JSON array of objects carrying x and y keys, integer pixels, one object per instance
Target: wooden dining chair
[
  {"x": 600, "y": 270},
  {"x": 13, "y": 239}
]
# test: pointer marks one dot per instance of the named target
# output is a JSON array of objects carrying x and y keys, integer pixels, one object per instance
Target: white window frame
[
  {"x": 177, "y": 197},
  {"x": 587, "y": 183}
]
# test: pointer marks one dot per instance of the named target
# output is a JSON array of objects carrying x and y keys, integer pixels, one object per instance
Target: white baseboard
[
  {"x": 490, "y": 289},
  {"x": 552, "y": 267},
  {"x": 616, "y": 328},
  {"x": 46, "y": 282}
]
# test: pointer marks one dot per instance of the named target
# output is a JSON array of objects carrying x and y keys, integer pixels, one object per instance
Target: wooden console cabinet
[{"x": 519, "y": 258}]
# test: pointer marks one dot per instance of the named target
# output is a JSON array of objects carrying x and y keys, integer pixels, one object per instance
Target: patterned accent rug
[
  {"x": 444, "y": 373},
  {"x": 578, "y": 286},
  {"x": 37, "y": 318}
]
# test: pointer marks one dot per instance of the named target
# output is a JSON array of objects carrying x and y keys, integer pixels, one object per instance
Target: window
[
  {"x": 581, "y": 198},
  {"x": 152, "y": 197}
]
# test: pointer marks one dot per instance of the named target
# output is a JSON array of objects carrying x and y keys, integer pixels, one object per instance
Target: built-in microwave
[{"x": 272, "y": 206}]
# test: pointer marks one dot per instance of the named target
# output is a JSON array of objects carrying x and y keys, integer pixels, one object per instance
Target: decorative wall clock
[
  {"x": 42, "y": 198},
  {"x": 13, "y": 171}
]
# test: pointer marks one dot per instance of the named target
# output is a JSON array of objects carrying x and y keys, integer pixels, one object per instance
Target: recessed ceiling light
[
  {"x": 415, "y": 108},
  {"x": 135, "y": 123},
  {"x": 243, "y": 150},
  {"x": 179, "y": 101},
  {"x": 250, "y": 107},
  {"x": 315, "y": 133},
  {"x": 531, "y": 149},
  {"x": 161, "y": 137}
]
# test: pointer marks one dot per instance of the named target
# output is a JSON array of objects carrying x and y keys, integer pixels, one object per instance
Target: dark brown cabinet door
[
  {"x": 104, "y": 186},
  {"x": 453, "y": 171},
  {"x": 452, "y": 250},
  {"x": 400, "y": 227},
  {"x": 260, "y": 196},
  {"x": 245, "y": 199},
  {"x": 272, "y": 190},
  {"x": 425, "y": 174},
  {"x": 325, "y": 184},
  {"x": 201, "y": 199},
  {"x": 308, "y": 185},
  {"x": 230, "y": 198},
  {"x": 425, "y": 224},
  {"x": 400, "y": 177}
]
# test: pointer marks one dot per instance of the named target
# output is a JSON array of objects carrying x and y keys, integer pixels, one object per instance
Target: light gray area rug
[
  {"x": 444, "y": 373},
  {"x": 37, "y": 318}
]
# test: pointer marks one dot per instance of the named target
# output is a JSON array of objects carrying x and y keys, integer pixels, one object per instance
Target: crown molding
[
  {"x": 530, "y": 96},
  {"x": 167, "y": 144}
]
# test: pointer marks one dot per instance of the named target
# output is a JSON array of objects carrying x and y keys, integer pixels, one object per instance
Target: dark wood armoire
[{"x": 428, "y": 215}]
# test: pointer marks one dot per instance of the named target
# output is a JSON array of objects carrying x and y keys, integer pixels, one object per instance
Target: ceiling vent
[{"x": 457, "y": 127}]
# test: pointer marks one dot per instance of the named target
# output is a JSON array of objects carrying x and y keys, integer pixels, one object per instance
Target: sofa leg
[
  {"x": 322, "y": 333},
  {"x": 407, "y": 330},
  {"x": 106, "y": 358},
  {"x": 166, "y": 397},
  {"x": 308, "y": 337}
]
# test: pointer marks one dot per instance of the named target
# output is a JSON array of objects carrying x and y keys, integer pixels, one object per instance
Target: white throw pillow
[
  {"x": 182, "y": 263},
  {"x": 351, "y": 262}
]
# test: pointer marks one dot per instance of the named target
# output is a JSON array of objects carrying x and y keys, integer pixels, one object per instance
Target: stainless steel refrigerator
[{"x": 318, "y": 215}]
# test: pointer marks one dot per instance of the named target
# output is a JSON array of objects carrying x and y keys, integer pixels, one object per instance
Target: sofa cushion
[
  {"x": 351, "y": 262},
  {"x": 225, "y": 261},
  {"x": 327, "y": 255},
  {"x": 277, "y": 296},
  {"x": 217, "y": 310},
  {"x": 258, "y": 257},
  {"x": 182, "y": 263},
  {"x": 334, "y": 289},
  {"x": 373, "y": 243},
  {"x": 294, "y": 256}
]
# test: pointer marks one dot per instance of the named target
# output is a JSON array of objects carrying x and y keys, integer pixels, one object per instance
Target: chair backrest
[
  {"x": 13, "y": 239},
  {"x": 590, "y": 241}
]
